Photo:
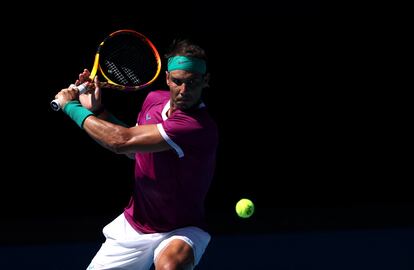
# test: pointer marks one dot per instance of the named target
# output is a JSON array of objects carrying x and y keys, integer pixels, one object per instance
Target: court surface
[{"x": 388, "y": 249}]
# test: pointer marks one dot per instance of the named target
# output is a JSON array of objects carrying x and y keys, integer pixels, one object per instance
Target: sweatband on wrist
[
  {"x": 75, "y": 111},
  {"x": 190, "y": 64}
]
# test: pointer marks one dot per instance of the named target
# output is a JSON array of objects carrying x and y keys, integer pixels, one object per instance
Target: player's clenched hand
[
  {"x": 66, "y": 95},
  {"x": 83, "y": 77},
  {"x": 91, "y": 99}
]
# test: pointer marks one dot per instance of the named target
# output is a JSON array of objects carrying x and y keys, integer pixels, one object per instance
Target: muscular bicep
[
  {"x": 145, "y": 138},
  {"x": 124, "y": 140}
]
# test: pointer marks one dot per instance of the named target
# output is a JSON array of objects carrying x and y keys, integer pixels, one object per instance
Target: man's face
[{"x": 185, "y": 88}]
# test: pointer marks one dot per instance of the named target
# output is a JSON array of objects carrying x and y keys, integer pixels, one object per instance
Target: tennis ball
[{"x": 244, "y": 208}]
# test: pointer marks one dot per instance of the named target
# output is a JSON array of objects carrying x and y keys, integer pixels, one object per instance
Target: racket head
[{"x": 128, "y": 60}]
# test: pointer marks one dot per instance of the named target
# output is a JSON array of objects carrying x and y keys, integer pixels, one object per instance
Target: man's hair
[{"x": 186, "y": 47}]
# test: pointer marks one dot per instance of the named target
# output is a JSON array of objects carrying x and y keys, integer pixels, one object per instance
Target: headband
[{"x": 191, "y": 64}]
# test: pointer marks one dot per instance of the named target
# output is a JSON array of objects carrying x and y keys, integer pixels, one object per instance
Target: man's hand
[
  {"x": 66, "y": 95},
  {"x": 91, "y": 99}
]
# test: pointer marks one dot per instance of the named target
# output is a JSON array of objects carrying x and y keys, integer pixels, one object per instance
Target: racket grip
[{"x": 55, "y": 103}]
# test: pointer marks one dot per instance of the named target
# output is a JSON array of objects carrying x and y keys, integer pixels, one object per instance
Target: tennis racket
[{"x": 127, "y": 60}]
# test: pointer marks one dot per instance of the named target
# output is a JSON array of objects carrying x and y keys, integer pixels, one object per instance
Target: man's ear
[{"x": 167, "y": 77}]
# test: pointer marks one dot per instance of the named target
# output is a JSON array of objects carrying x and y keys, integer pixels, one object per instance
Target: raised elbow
[{"x": 119, "y": 142}]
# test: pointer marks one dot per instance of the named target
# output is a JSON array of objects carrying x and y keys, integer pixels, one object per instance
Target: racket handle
[{"x": 55, "y": 103}]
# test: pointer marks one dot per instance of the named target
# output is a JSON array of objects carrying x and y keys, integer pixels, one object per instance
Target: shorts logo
[{"x": 147, "y": 117}]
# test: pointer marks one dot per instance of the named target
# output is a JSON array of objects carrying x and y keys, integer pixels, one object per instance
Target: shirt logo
[{"x": 147, "y": 117}]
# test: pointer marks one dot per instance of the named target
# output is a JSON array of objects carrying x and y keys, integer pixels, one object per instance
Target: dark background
[{"x": 310, "y": 128}]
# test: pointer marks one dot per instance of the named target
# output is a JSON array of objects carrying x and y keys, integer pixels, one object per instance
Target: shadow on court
[{"x": 335, "y": 249}]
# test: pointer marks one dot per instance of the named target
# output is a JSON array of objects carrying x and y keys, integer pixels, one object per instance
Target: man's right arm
[{"x": 123, "y": 140}]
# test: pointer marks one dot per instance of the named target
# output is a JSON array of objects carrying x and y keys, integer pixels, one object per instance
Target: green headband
[{"x": 191, "y": 64}]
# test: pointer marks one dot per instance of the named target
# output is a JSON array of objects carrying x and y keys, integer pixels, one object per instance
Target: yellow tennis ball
[{"x": 245, "y": 208}]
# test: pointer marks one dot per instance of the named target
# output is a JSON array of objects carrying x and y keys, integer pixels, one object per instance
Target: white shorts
[{"x": 125, "y": 248}]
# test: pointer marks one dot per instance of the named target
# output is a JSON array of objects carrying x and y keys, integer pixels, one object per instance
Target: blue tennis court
[{"x": 388, "y": 249}]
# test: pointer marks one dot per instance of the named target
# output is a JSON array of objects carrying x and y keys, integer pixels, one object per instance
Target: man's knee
[{"x": 173, "y": 264}]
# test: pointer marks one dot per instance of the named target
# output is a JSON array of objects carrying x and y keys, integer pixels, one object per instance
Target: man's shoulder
[
  {"x": 156, "y": 97},
  {"x": 158, "y": 94}
]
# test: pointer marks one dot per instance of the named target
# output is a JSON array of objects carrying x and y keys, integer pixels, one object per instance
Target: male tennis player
[{"x": 174, "y": 144}]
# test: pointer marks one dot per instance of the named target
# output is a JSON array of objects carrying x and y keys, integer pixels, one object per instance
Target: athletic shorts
[{"x": 126, "y": 248}]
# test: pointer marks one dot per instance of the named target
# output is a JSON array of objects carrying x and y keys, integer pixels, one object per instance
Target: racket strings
[
  {"x": 115, "y": 73},
  {"x": 128, "y": 61}
]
